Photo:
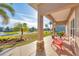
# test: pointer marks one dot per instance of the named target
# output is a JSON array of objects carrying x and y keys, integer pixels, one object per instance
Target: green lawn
[
  {"x": 29, "y": 38},
  {"x": 11, "y": 32}
]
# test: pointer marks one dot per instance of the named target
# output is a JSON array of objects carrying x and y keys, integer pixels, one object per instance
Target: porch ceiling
[
  {"x": 61, "y": 15},
  {"x": 58, "y": 11}
]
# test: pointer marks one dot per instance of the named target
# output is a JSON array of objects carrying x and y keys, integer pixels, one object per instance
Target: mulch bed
[{"x": 10, "y": 42}]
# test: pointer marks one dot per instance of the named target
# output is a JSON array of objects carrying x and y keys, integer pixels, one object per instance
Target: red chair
[{"x": 58, "y": 43}]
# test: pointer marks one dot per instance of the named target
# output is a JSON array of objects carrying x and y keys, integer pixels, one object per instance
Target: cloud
[
  {"x": 29, "y": 24},
  {"x": 28, "y": 16}
]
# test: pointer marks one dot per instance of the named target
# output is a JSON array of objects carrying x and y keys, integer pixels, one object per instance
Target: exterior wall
[
  {"x": 74, "y": 38},
  {"x": 76, "y": 32},
  {"x": 68, "y": 32},
  {"x": 68, "y": 25}
]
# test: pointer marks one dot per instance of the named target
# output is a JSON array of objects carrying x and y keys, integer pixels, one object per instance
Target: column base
[{"x": 40, "y": 51}]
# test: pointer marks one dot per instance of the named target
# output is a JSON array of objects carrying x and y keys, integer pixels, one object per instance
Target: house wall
[
  {"x": 76, "y": 33},
  {"x": 68, "y": 32},
  {"x": 74, "y": 38}
]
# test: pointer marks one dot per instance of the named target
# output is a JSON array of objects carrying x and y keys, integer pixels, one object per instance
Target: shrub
[
  {"x": 60, "y": 33},
  {"x": 7, "y": 38}
]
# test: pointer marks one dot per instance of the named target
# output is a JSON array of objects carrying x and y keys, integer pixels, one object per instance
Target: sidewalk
[{"x": 25, "y": 50}]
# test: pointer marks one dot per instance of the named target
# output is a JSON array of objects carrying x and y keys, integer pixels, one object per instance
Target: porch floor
[{"x": 52, "y": 51}]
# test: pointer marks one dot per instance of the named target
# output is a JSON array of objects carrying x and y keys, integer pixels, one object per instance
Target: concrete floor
[{"x": 52, "y": 51}]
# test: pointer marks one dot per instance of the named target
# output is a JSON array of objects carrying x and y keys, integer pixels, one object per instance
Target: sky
[{"x": 24, "y": 13}]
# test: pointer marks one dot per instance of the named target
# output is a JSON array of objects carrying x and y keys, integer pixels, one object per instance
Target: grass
[
  {"x": 46, "y": 33},
  {"x": 11, "y": 32},
  {"x": 29, "y": 39}
]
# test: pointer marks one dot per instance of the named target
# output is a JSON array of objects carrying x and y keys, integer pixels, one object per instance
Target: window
[{"x": 72, "y": 28}]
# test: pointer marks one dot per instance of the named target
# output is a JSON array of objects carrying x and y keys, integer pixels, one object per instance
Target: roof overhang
[{"x": 60, "y": 12}]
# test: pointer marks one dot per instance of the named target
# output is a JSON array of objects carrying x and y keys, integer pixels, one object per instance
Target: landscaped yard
[{"x": 13, "y": 41}]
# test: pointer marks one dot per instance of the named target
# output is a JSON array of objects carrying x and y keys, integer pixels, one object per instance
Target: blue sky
[{"x": 23, "y": 14}]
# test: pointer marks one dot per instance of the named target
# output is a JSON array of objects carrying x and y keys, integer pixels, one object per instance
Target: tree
[
  {"x": 21, "y": 27},
  {"x": 17, "y": 27},
  {"x": 32, "y": 29},
  {"x": 25, "y": 27},
  {"x": 50, "y": 23},
  {"x": 3, "y": 13},
  {"x": 46, "y": 26},
  {"x": 1, "y": 29},
  {"x": 7, "y": 29}
]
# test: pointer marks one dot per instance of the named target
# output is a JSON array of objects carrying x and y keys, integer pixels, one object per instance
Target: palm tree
[
  {"x": 3, "y": 13},
  {"x": 21, "y": 38},
  {"x": 19, "y": 27}
]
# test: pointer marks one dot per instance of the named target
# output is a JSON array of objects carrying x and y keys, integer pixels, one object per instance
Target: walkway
[
  {"x": 25, "y": 50},
  {"x": 30, "y": 49}
]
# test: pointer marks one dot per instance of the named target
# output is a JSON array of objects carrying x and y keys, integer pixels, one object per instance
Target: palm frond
[
  {"x": 8, "y": 7},
  {"x": 5, "y": 16}
]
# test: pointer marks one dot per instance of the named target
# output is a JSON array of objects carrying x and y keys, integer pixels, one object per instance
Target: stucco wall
[
  {"x": 75, "y": 40},
  {"x": 70, "y": 37}
]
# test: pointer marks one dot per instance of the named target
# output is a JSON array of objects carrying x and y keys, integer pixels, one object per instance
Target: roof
[{"x": 58, "y": 11}]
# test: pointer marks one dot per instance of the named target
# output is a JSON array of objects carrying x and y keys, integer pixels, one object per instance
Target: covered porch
[
  {"x": 66, "y": 14},
  {"x": 59, "y": 14}
]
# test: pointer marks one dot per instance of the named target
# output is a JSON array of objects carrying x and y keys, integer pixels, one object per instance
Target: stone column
[
  {"x": 53, "y": 27},
  {"x": 40, "y": 51},
  {"x": 66, "y": 29}
]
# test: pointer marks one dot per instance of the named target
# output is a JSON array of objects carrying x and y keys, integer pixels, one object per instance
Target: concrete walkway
[
  {"x": 30, "y": 49},
  {"x": 25, "y": 50}
]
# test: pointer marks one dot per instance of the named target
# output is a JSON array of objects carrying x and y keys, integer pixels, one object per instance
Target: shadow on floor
[
  {"x": 65, "y": 52},
  {"x": 66, "y": 39},
  {"x": 67, "y": 46},
  {"x": 76, "y": 49}
]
